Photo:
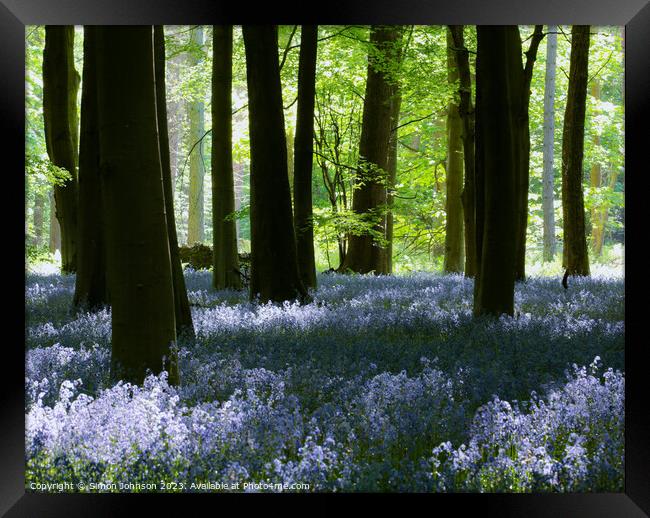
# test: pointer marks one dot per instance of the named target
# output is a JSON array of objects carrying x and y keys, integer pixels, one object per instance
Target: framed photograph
[{"x": 384, "y": 248}]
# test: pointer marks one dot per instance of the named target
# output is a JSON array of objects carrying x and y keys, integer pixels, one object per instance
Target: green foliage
[
  {"x": 35, "y": 254},
  {"x": 342, "y": 65},
  {"x": 242, "y": 213},
  {"x": 604, "y": 135},
  {"x": 45, "y": 171}
]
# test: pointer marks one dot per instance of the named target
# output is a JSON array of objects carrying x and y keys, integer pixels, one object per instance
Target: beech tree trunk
[
  {"x": 523, "y": 173},
  {"x": 549, "y": 141},
  {"x": 90, "y": 286},
  {"x": 195, "y": 222},
  {"x": 238, "y": 173},
  {"x": 39, "y": 211},
  {"x": 364, "y": 255},
  {"x": 466, "y": 111},
  {"x": 575, "y": 255},
  {"x": 139, "y": 271},
  {"x": 391, "y": 166},
  {"x": 60, "y": 87},
  {"x": 454, "y": 256},
  {"x": 274, "y": 268},
  {"x": 598, "y": 213},
  {"x": 392, "y": 174},
  {"x": 499, "y": 80},
  {"x": 55, "y": 228},
  {"x": 289, "y": 138},
  {"x": 183, "y": 315},
  {"x": 304, "y": 156},
  {"x": 225, "y": 272}
]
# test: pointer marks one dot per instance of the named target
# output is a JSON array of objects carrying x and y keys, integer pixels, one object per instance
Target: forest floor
[{"x": 381, "y": 383}]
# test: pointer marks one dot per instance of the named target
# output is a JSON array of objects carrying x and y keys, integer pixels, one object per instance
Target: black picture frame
[{"x": 634, "y": 14}]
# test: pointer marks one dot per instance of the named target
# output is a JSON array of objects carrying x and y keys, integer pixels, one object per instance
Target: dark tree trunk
[
  {"x": 391, "y": 165},
  {"x": 523, "y": 174},
  {"x": 575, "y": 256},
  {"x": 467, "y": 116},
  {"x": 55, "y": 228},
  {"x": 183, "y": 315},
  {"x": 274, "y": 268},
  {"x": 226, "y": 261},
  {"x": 139, "y": 271},
  {"x": 60, "y": 87},
  {"x": 90, "y": 287},
  {"x": 304, "y": 156},
  {"x": 454, "y": 256},
  {"x": 364, "y": 255},
  {"x": 499, "y": 81}
]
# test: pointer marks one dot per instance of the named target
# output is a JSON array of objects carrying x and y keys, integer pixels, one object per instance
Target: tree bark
[
  {"x": 598, "y": 214},
  {"x": 523, "y": 173},
  {"x": 274, "y": 268},
  {"x": 604, "y": 213},
  {"x": 39, "y": 211},
  {"x": 467, "y": 116},
  {"x": 304, "y": 156},
  {"x": 182, "y": 313},
  {"x": 90, "y": 286},
  {"x": 55, "y": 228},
  {"x": 195, "y": 222},
  {"x": 549, "y": 141},
  {"x": 138, "y": 261},
  {"x": 369, "y": 199},
  {"x": 289, "y": 138},
  {"x": 238, "y": 174},
  {"x": 454, "y": 256},
  {"x": 226, "y": 261},
  {"x": 392, "y": 175},
  {"x": 391, "y": 165},
  {"x": 575, "y": 255},
  {"x": 499, "y": 81},
  {"x": 60, "y": 87}
]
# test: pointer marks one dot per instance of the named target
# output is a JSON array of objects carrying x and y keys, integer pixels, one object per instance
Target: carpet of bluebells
[{"x": 379, "y": 384}]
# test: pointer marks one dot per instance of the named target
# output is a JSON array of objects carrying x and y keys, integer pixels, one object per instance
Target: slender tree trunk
[
  {"x": 598, "y": 214},
  {"x": 595, "y": 181},
  {"x": 60, "y": 87},
  {"x": 238, "y": 174},
  {"x": 604, "y": 214},
  {"x": 523, "y": 174},
  {"x": 466, "y": 111},
  {"x": 392, "y": 174},
  {"x": 454, "y": 256},
  {"x": 549, "y": 134},
  {"x": 197, "y": 171},
  {"x": 39, "y": 211},
  {"x": 304, "y": 156},
  {"x": 55, "y": 228},
  {"x": 139, "y": 271},
  {"x": 175, "y": 112},
  {"x": 226, "y": 261},
  {"x": 182, "y": 313},
  {"x": 499, "y": 80},
  {"x": 391, "y": 165},
  {"x": 290, "y": 158},
  {"x": 575, "y": 256},
  {"x": 274, "y": 268},
  {"x": 90, "y": 286},
  {"x": 369, "y": 198},
  {"x": 26, "y": 213}
]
